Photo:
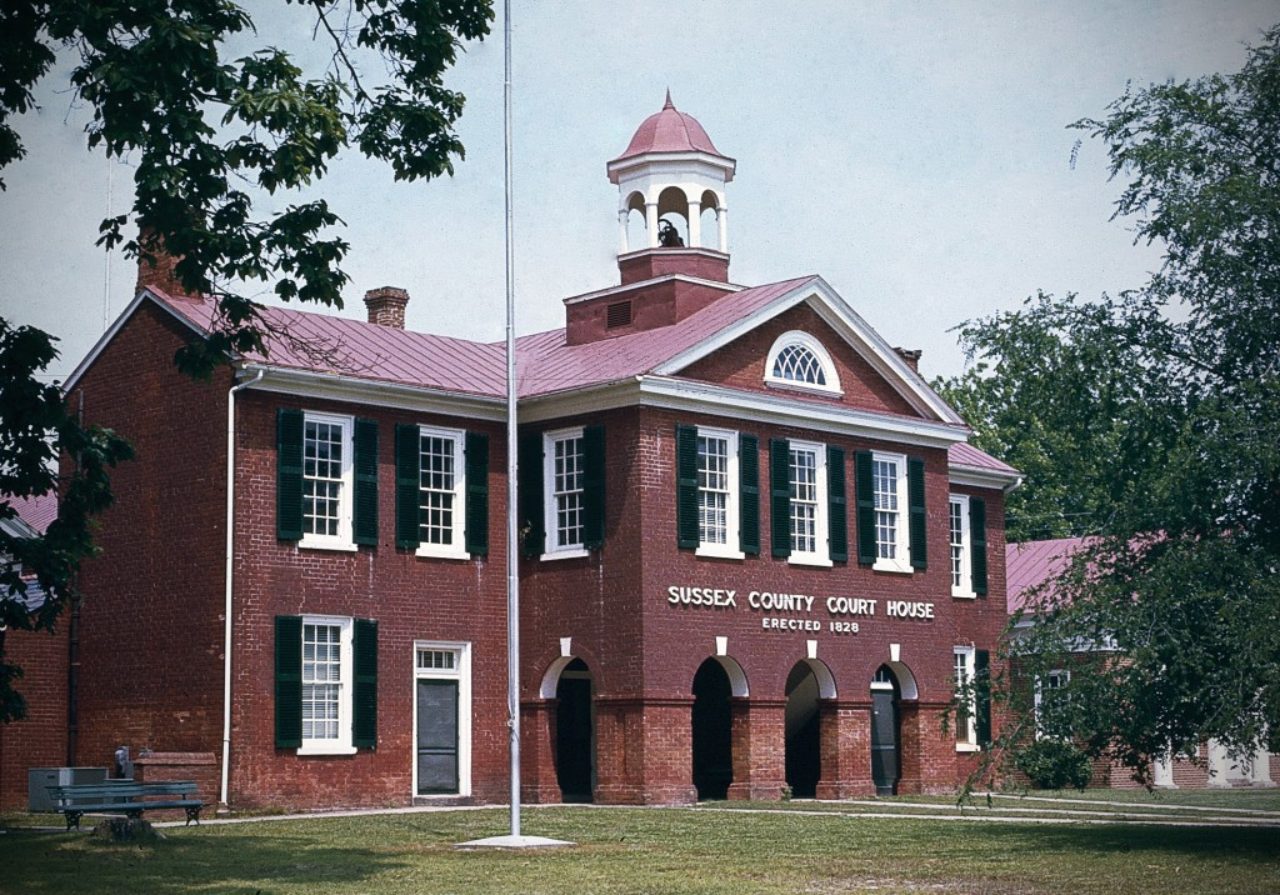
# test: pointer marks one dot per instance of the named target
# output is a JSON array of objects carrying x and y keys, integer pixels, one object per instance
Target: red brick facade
[{"x": 40, "y": 739}]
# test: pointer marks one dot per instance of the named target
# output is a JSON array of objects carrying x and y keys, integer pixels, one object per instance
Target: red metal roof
[
  {"x": 547, "y": 365},
  {"x": 38, "y": 512},
  {"x": 341, "y": 346},
  {"x": 669, "y": 130},
  {"x": 962, "y": 454},
  {"x": 1030, "y": 563}
]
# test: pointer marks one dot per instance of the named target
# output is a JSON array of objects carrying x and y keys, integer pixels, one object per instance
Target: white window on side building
[
  {"x": 1055, "y": 679},
  {"x": 442, "y": 486},
  {"x": 967, "y": 712},
  {"x": 809, "y": 504},
  {"x": 326, "y": 481},
  {"x": 326, "y": 685},
  {"x": 961, "y": 547},
  {"x": 718, "y": 493},
  {"x": 889, "y": 488},
  {"x": 563, "y": 458}
]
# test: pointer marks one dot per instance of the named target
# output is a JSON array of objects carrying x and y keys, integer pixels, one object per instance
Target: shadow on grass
[
  {"x": 1257, "y": 845},
  {"x": 237, "y": 865}
]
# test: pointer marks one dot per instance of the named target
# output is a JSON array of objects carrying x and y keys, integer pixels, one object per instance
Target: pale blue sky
[{"x": 916, "y": 155}]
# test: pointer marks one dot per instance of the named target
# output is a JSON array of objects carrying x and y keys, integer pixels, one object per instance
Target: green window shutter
[
  {"x": 533, "y": 537},
  {"x": 408, "y": 483},
  {"x": 687, "y": 486},
  {"x": 837, "y": 509},
  {"x": 864, "y": 486},
  {"x": 289, "y": 426},
  {"x": 593, "y": 487},
  {"x": 477, "y": 524},
  {"x": 749, "y": 494},
  {"x": 917, "y": 523},
  {"x": 780, "y": 495},
  {"x": 366, "y": 470},
  {"x": 978, "y": 542},
  {"x": 982, "y": 687},
  {"x": 288, "y": 681},
  {"x": 364, "y": 703}
]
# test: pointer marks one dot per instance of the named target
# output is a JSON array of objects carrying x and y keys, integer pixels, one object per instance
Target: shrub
[{"x": 1053, "y": 764}]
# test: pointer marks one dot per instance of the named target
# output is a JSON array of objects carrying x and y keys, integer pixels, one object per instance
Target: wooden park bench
[{"x": 124, "y": 797}]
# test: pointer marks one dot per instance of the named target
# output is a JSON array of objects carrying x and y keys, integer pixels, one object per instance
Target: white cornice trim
[
  {"x": 982, "y": 477},
  {"x": 617, "y": 168},
  {"x": 735, "y": 404},
  {"x": 106, "y": 337},
  {"x": 665, "y": 278},
  {"x": 835, "y": 311},
  {"x": 335, "y": 387}
]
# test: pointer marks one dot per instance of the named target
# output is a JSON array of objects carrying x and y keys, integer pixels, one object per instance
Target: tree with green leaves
[
  {"x": 1151, "y": 423},
  {"x": 213, "y": 136}
]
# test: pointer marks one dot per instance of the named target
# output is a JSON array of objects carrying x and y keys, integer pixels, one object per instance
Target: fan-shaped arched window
[{"x": 798, "y": 360}]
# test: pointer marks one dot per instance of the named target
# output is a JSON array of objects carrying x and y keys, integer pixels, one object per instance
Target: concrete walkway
[{"x": 1129, "y": 813}]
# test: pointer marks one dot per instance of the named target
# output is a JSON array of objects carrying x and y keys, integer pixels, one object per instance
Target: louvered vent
[{"x": 618, "y": 314}]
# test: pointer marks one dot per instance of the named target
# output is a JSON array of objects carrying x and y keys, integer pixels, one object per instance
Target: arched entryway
[
  {"x": 712, "y": 730},
  {"x": 886, "y": 758},
  {"x": 808, "y": 682},
  {"x": 575, "y": 733}
]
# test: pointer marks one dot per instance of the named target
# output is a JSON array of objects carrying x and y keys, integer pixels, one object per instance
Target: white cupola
[{"x": 671, "y": 190}]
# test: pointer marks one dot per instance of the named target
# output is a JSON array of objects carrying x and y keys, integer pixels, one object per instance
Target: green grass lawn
[{"x": 649, "y": 851}]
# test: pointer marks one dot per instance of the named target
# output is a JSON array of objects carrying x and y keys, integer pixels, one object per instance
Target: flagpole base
[{"x": 514, "y": 842}]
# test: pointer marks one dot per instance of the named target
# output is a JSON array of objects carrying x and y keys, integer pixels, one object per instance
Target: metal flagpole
[
  {"x": 513, "y": 577},
  {"x": 514, "y": 839}
]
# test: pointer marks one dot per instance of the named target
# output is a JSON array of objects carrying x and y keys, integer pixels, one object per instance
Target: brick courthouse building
[{"x": 757, "y": 550}]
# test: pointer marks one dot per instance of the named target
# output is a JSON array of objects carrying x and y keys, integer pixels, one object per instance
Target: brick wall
[
  {"x": 411, "y": 598},
  {"x": 151, "y": 626},
  {"x": 741, "y": 363},
  {"x": 40, "y": 740}
]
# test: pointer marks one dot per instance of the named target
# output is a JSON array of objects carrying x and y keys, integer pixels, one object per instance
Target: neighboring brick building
[
  {"x": 1034, "y": 565},
  {"x": 40, "y": 739},
  {"x": 756, "y": 549}
]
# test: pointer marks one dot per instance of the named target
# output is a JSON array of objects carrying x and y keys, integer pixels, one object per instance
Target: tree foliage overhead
[
  {"x": 1151, "y": 422},
  {"x": 210, "y": 133}
]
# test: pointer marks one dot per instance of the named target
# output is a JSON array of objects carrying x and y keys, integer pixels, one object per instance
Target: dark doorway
[
  {"x": 885, "y": 761},
  {"x": 437, "y": 736},
  {"x": 575, "y": 734},
  {"x": 804, "y": 759},
  {"x": 712, "y": 731}
]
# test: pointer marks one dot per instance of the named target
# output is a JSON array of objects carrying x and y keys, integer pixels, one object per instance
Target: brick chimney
[
  {"x": 159, "y": 272},
  {"x": 386, "y": 306},
  {"x": 911, "y": 356}
]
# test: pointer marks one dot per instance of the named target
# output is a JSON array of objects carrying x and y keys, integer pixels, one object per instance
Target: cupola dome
[{"x": 669, "y": 130}]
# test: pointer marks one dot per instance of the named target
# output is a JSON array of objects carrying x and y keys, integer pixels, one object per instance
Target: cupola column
[
  {"x": 695, "y": 223},
  {"x": 722, "y": 224},
  {"x": 623, "y": 245},
  {"x": 651, "y": 223}
]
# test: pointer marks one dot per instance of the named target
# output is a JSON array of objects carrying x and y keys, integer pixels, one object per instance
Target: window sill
[
  {"x": 719, "y": 552},
  {"x": 964, "y": 595},
  {"x": 339, "y": 546},
  {"x": 968, "y": 747},
  {"x": 821, "y": 562},
  {"x": 436, "y": 553},
  {"x": 883, "y": 565},
  {"x": 327, "y": 750},
  {"x": 805, "y": 388},
  {"x": 573, "y": 553}
]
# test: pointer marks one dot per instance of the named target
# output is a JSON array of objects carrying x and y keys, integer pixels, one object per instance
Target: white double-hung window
[
  {"x": 808, "y": 474},
  {"x": 326, "y": 685},
  {"x": 1057, "y": 679},
  {"x": 961, "y": 547},
  {"x": 717, "y": 493},
  {"x": 326, "y": 481},
  {"x": 442, "y": 486},
  {"x": 564, "y": 459},
  {"x": 889, "y": 491},
  {"x": 965, "y": 658}
]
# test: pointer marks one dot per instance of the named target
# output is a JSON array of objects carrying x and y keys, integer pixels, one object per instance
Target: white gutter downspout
[{"x": 226, "y": 637}]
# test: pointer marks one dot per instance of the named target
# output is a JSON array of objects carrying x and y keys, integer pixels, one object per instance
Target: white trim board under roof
[
  {"x": 981, "y": 477},
  {"x": 375, "y": 393},
  {"x": 837, "y": 313},
  {"x": 739, "y": 404}
]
